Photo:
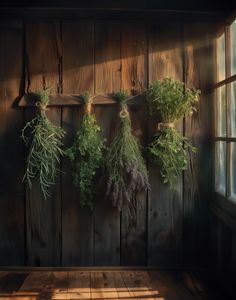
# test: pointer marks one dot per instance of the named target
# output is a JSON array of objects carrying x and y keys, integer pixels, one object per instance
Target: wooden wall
[{"x": 102, "y": 57}]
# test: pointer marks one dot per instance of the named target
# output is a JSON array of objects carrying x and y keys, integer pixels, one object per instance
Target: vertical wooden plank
[
  {"x": 43, "y": 216},
  {"x": 165, "y": 214},
  {"x": 134, "y": 74},
  {"x": 11, "y": 149},
  {"x": 78, "y": 76},
  {"x": 78, "y": 52},
  {"x": 107, "y": 57},
  {"x": 133, "y": 51},
  {"x": 199, "y": 61},
  {"x": 107, "y": 79}
]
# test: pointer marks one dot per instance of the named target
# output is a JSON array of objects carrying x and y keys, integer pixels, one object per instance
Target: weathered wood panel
[
  {"x": 134, "y": 78},
  {"x": 102, "y": 57},
  {"x": 165, "y": 206},
  {"x": 11, "y": 149},
  {"x": 107, "y": 57},
  {"x": 134, "y": 59},
  {"x": 198, "y": 60},
  {"x": 78, "y": 76},
  {"x": 107, "y": 80},
  {"x": 78, "y": 57},
  {"x": 43, "y": 216}
]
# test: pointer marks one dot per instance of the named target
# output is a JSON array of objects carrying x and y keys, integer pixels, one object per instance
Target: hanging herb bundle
[
  {"x": 171, "y": 100},
  {"x": 45, "y": 147},
  {"x": 86, "y": 155},
  {"x": 126, "y": 169}
]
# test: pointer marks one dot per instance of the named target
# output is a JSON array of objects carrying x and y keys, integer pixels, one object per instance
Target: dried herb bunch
[
  {"x": 126, "y": 169},
  {"x": 86, "y": 155},
  {"x": 171, "y": 100},
  {"x": 44, "y": 140}
]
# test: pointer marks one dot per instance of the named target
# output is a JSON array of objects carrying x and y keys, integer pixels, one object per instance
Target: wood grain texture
[
  {"x": 11, "y": 150},
  {"x": 165, "y": 209},
  {"x": 30, "y": 100},
  {"x": 77, "y": 223},
  {"x": 134, "y": 57},
  {"x": 104, "y": 284},
  {"x": 134, "y": 74},
  {"x": 43, "y": 217},
  {"x": 78, "y": 57},
  {"x": 43, "y": 56},
  {"x": 107, "y": 79},
  {"x": 107, "y": 57},
  {"x": 197, "y": 179}
]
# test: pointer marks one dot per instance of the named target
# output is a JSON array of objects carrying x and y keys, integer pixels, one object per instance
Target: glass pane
[
  {"x": 221, "y": 112},
  {"x": 221, "y": 57},
  {"x": 233, "y": 170},
  {"x": 233, "y": 48},
  {"x": 220, "y": 167},
  {"x": 233, "y": 110}
]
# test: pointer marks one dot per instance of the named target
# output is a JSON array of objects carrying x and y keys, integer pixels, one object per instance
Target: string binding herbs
[
  {"x": 169, "y": 150},
  {"x": 125, "y": 167},
  {"x": 86, "y": 155},
  {"x": 44, "y": 142}
]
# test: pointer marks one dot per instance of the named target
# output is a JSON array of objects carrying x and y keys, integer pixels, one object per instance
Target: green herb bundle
[
  {"x": 125, "y": 166},
  {"x": 45, "y": 147},
  {"x": 171, "y": 100},
  {"x": 86, "y": 155}
]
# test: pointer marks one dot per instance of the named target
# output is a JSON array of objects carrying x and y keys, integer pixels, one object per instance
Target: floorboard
[{"x": 107, "y": 284}]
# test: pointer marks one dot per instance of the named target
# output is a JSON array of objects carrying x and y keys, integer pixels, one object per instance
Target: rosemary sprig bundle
[
  {"x": 125, "y": 166},
  {"x": 86, "y": 155},
  {"x": 45, "y": 147},
  {"x": 171, "y": 100}
]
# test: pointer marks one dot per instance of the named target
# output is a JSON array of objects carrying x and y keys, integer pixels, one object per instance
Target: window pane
[
  {"x": 233, "y": 110},
  {"x": 233, "y": 170},
  {"x": 221, "y": 58},
  {"x": 220, "y": 121},
  {"x": 233, "y": 48},
  {"x": 220, "y": 167}
]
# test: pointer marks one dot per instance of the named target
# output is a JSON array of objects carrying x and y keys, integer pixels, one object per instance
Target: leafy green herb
[
  {"x": 44, "y": 142},
  {"x": 125, "y": 166},
  {"x": 169, "y": 149},
  {"x": 86, "y": 156}
]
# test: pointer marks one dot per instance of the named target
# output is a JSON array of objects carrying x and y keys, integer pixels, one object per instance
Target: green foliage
[
  {"x": 171, "y": 99},
  {"x": 168, "y": 153},
  {"x": 125, "y": 166},
  {"x": 169, "y": 149},
  {"x": 44, "y": 143},
  {"x": 86, "y": 156}
]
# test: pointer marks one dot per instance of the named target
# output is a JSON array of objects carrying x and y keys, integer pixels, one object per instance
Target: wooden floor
[{"x": 162, "y": 285}]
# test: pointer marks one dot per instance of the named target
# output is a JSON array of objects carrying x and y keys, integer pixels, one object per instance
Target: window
[{"x": 225, "y": 113}]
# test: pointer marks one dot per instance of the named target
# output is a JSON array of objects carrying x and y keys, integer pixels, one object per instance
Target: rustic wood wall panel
[
  {"x": 165, "y": 206},
  {"x": 197, "y": 179},
  {"x": 11, "y": 149},
  {"x": 103, "y": 57},
  {"x": 107, "y": 80},
  {"x": 43, "y": 216},
  {"x": 134, "y": 79},
  {"x": 78, "y": 76},
  {"x": 134, "y": 59}
]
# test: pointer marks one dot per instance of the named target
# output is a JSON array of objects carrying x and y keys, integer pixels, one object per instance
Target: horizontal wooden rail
[{"x": 29, "y": 100}]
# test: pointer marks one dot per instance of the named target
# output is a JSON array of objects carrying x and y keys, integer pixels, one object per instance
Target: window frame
[{"x": 224, "y": 201}]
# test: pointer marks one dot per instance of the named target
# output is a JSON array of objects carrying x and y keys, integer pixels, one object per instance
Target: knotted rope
[
  {"x": 41, "y": 106},
  {"x": 163, "y": 125},
  {"x": 124, "y": 111}
]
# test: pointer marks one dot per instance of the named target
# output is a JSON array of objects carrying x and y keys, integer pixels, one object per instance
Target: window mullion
[{"x": 228, "y": 99}]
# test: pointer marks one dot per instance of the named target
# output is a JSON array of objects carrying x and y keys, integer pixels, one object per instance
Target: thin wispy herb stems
[{"x": 44, "y": 142}]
